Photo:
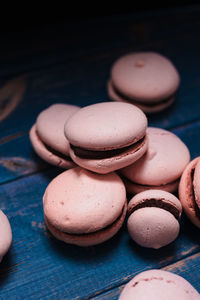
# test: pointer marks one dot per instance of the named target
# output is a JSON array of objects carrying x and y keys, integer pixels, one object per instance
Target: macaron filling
[
  {"x": 160, "y": 203},
  {"x": 50, "y": 149},
  {"x": 101, "y": 154},
  {"x": 148, "y": 104},
  {"x": 90, "y": 234},
  {"x": 192, "y": 194}
]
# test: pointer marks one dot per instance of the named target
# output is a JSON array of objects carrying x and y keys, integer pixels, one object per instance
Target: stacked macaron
[
  {"x": 146, "y": 79},
  {"x": 98, "y": 140},
  {"x": 104, "y": 138}
]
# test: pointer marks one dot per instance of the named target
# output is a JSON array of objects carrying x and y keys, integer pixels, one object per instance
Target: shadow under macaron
[
  {"x": 88, "y": 254},
  {"x": 6, "y": 266}
]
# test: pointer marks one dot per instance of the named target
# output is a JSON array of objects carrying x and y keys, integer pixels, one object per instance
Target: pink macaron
[
  {"x": 107, "y": 136},
  {"x": 84, "y": 208},
  {"x": 189, "y": 191},
  {"x": 5, "y": 235},
  {"x": 158, "y": 285},
  {"x": 153, "y": 218},
  {"x": 146, "y": 79},
  {"x": 47, "y": 135},
  {"x": 161, "y": 166}
]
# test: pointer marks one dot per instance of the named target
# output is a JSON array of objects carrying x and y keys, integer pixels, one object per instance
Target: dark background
[{"x": 32, "y": 16}]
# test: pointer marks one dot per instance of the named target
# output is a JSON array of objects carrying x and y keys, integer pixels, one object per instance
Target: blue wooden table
[{"x": 70, "y": 64}]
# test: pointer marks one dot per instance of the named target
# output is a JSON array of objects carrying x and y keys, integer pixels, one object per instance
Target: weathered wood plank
[
  {"x": 188, "y": 268},
  {"x": 37, "y": 264}
]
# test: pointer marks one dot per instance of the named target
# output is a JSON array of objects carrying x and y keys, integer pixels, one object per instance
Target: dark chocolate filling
[
  {"x": 93, "y": 154},
  {"x": 196, "y": 208},
  {"x": 160, "y": 203},
  {"x": 55, "y": 152},
  {"x": 149, "y": 104}
]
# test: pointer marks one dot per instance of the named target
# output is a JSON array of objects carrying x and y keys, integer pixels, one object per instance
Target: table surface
[{"x": 71, "y": 63}]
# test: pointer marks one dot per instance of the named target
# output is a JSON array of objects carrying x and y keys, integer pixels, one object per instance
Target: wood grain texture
[{"x": 40, "y": 267}]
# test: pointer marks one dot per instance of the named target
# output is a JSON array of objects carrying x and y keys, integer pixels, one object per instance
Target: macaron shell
[
  {"x": 45, "y": 154},
  {"x": 78, "y": 201},
  {"x": 196, "y": 183},
  {"x": 158, "y": 227},
  {"x": 107, "y": 165},
  {"x": 5, "y": 234},
  {"x": 50, "y": 125},
  {"x": 166, "y": 197},
  {"x": 164, "y": 161},
  {"x": 145, "y": 75},
  {"x": 145, "y": 108},
  {"x": 134, "y": 188},
  {"x": 105, "y": 126},
  {"x": 158, "y": 285},
  {"x": 91, "y": 239},
  {"x": 186, "y": 192}
]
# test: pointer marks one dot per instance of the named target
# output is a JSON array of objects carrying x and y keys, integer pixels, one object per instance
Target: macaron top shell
[
  {"x": 50, "y": 125},
  {"x": 164, "y": 161},
  {"x": 165, "y": 197},
  {"x": 159, "y": 285},
  {"x": 78, "y": 201},
  {"x": 145, "y": 76},
  {"x": 107, "y": 125}
]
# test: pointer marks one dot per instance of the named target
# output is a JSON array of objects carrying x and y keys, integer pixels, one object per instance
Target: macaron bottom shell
[
  {"x": 113, "y": 95},
  {"x": 107, "y": 165},
  {"x": 92, "y": 238},
  {"x": 135, "y": 188},
  {"x": 47, "y": 155}
]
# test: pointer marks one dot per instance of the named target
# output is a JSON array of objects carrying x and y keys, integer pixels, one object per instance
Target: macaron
[
  {"x": 107, "y": 136},
  {"x": 189, "y": 191},
  {"x": 153, "y": 218},
  {"x": 47, "y": 135},
  {"x": 84, "y": 208},
  {"x": 5, "y": 235},
  {"x": 146, "y": 79},
  {"x": 158, "y": 285},
  {"x": 161, "y": 166}
]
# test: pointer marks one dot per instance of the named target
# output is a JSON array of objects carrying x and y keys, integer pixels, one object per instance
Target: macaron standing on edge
[
  {"x": 146, "y": 79},
  {"x": 161, "y": 166},
  {"x": 47, "y": 135},
  {"x": 84, "y": 208},
  {"x": 153, "y": 218},
  {"x": 158, "y": 285},
  {"x": 189, "y": 191},
  {"x": 5, "y": 235},
  {"x": 107, "y": 136}
]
